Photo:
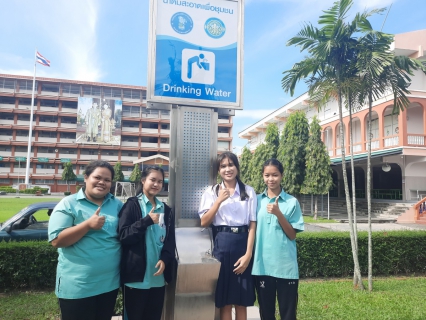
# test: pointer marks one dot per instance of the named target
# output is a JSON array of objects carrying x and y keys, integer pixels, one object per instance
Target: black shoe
[
  {"x": 94, "y": 140},
  {"x": 88, "y": 139}
]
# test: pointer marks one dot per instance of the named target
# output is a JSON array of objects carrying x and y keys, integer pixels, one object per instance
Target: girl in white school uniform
[
  {"x": 231, "y": 207},
  {"x": 275, "y": 268}
]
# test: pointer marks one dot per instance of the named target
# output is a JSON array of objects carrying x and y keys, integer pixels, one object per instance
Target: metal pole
[
  {"x": 322, "y": 205},
  {"x": 328, "y": 206},
  {"x": 30, "y": 133},
  {"x": 19, "y": 170}
]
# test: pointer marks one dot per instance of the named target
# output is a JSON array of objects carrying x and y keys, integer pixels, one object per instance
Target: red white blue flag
[{"x": 42, "y": 60}]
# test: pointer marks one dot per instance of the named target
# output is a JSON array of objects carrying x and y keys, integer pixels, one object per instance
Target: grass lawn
[
  {"x": 10, "y": 206},
  {"x": 391, "y": 299},
  {"x": 29, "y": 305}
]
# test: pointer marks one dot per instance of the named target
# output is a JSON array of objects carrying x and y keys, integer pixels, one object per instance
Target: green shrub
[
  {"x": 29, "y": 264},
  {"x": 7, "y": 189},
  {"x": 34, "y": 190},
  {"x": 329, "y": 254},
  {"x": 32, "y": 264},
  {"x": 77, "y": 189},
  {"x": 67, "y": 193}
]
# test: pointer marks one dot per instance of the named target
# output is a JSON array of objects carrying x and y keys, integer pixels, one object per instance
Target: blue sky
[{"x": 107, "y": 41}]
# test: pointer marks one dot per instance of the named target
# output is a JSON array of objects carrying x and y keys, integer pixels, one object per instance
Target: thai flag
[{"x": 42, "y": 60}]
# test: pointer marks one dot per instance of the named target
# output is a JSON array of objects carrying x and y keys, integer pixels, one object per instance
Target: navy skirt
[{"x": 232, "y": 289}]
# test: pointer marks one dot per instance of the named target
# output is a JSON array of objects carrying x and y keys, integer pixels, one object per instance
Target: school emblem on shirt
[{"x": 262, "y": 284}]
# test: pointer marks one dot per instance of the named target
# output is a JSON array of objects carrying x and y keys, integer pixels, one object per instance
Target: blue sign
[{"x": 196, "y": 55}]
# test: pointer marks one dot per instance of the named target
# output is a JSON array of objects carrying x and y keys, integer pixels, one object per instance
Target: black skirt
[{"x": 232, "y": 289}]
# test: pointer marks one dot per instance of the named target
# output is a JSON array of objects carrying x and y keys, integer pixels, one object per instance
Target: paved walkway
[{"x": 252, "y": 314}]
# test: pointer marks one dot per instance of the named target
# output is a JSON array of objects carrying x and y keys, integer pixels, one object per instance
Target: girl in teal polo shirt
[
  {"x": 83, "y": 227},
  {"x": 275, "y": 267},
  {"x": 147, "y": 234}
]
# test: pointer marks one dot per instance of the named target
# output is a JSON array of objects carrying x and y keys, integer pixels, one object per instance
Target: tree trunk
[
  {"x": 68, "y": 186},
  {"x": 357, "y": 271},
  {"x": 370, "y": 244},
  {"x": 355, "y": 229},
  {"x": 316, "y": 207}
]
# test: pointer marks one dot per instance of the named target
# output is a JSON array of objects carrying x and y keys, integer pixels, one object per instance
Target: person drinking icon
[{"x": 203, "y": 64}]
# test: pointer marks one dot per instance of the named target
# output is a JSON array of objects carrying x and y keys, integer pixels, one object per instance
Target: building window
[
  {"x": 164, "y": 140},
  {"x": 49, "y": 103},
  {"x": 7, "y": 116},
  {"x": 44, "y": 181},
  {"x": 91, "y": 91},
  {"x": 5, "y": 148},
  {"x": 24, "y": 117},
  {"x": 67, "y": 151},
  {"x": 47, "y": 134},
  {"x": 26, "y": 85},
  {"x": 4, "y": 181},
  {"x": 6, "y": 132},
  {"x": 150, "y": 125},
  {"x": 50, "y": 87},
  {"x": 69, "y": 104},
  {"x": 111, "y": 92},
  {"x": 165, "y": 126},
  {"x": 71, "y": 120},
  {"x": 52, "y": 119},
  {"x": 149, "y": 140},
  {"x": 67, "y": 135},
  {"x": 63, "y": 182},
  {"x": 45, "y": 166},
  {"x": 26, "y": 102},
  {"x": 131, "y": 94},
  {"x": 7, "y": 100},
  {"x": 7, "y": 84},
  {"x": 46, "y": 149},
  {"x": 23, "y": 133},
  {"x": 70, "y": 89},
  {"x": 130, "y": 124},
  {"x": 145, "y": 154}
]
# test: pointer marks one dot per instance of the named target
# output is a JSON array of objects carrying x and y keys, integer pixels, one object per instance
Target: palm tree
[
  {"x": 380, "y": 72},
  {"x": 330, "y": 48}
]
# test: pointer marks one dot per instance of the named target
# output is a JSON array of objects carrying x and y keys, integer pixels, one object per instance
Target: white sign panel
[{"x": 195, "y": 53}]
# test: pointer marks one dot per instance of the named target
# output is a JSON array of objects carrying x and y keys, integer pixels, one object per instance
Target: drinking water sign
[{"x": 195, "y": 53}]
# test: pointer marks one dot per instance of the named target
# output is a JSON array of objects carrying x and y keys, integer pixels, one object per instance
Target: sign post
[{"x": 194, "y": 70}]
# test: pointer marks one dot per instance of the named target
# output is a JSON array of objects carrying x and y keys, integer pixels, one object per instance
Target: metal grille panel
[{"x": 195, "y": 160}]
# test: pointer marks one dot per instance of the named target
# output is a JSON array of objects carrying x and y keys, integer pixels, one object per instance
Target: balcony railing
[
  {"x": 391, "y": 141},
  {"x": 416, "y": 139}
]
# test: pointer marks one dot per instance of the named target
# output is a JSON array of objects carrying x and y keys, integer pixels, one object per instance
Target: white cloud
[
  {"x": 255, "y": 114},
  {"x": 65, "y": 32}
]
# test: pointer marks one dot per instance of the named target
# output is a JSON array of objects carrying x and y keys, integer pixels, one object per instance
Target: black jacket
[{"x": 132, "y": 234}]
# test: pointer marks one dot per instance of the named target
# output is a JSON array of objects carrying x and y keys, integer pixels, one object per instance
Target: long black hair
[
  {"x": 145, "y": 173},
  {"x": 231, "y": 156},
  {"x": 275, "y": 163}
]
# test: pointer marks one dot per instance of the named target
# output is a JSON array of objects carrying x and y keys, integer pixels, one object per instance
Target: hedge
[
  {"x": 321, "y": 254},
  {"x": 9, "y": 189},
  {"x": 329, "y": 254}
]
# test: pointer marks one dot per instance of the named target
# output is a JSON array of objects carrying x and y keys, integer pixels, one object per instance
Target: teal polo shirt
[
  {"x": 91, "y": 265},
  {"x": 275, "y": 254},
  {"x": 155, "y": 235}
]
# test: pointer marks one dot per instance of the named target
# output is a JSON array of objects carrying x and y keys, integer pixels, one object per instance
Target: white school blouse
[{"x": 232, "y": 212}]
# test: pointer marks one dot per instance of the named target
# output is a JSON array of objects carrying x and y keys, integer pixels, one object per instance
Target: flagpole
[{"x": 30, "y": 133}]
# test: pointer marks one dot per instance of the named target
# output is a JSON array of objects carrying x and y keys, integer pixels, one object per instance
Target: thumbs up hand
[
  {"x": 154, "y": 216},
  {"x": 223, "y": 194},
  {"x": 273, "y": 208},
  {"x": 96, "y": 221}
]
